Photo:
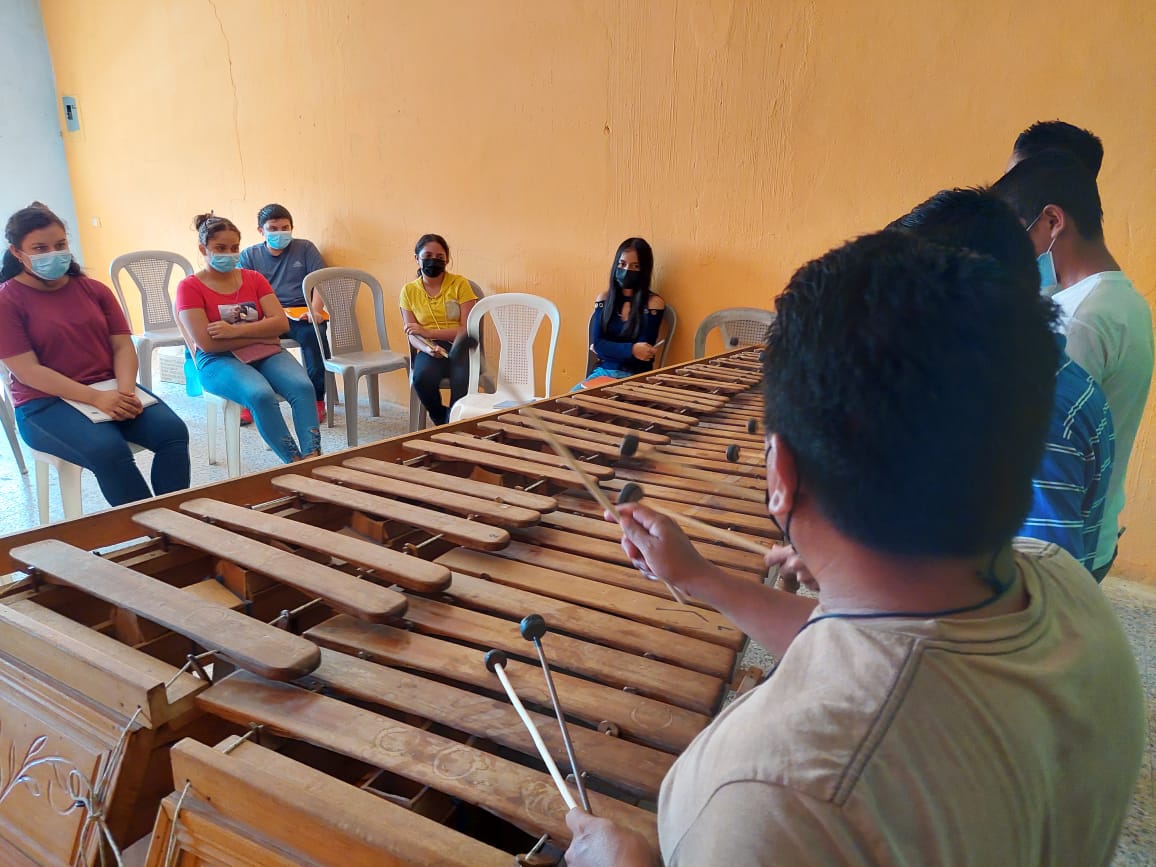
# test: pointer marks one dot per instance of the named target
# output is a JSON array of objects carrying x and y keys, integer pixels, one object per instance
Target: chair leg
[
  {"x": 417, "y": 417},
  {"x": 352, "y": 405},
  {"x": 145, "y": 367},
  {"x": 211, "y": 430},
  {"x": 42, "y": 490},
  {"x": 374, "y": 394},
  {"x": 330, "y": 397},
  {"x": 233, "y": 438},
  {"x": 10, "y": 430},
  {"x": 68, "y": 478}
]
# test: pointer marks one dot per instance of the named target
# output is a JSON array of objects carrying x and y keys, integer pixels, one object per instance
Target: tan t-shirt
[{"x": 1011, "y": 740}]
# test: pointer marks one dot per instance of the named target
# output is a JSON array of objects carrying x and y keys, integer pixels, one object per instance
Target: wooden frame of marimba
[{"x": 287, "y": 667}]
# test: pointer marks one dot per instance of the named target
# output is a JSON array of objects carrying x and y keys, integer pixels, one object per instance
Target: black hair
[
  {"x": 1048, "y": 134},
  {"x": 1054, "y": 177},
  {"x": 273, "y": 212},
  {"x": 914, "y": 391},
  {"x": 980, "y": 221},
  {"x": 209, "y": 224},
  {"x": 428, "y": 238},
  {"x": 641, "y": 297},
  {"x": 20, "y": 225}
]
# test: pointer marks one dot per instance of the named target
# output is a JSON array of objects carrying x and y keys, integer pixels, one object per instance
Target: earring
[{"x": 776, "y": 501}]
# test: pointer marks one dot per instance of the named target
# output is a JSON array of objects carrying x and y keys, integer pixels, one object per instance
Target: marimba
[{"x": 290, "y": 664}]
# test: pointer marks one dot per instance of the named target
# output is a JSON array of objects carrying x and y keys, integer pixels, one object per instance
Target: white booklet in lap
[{"x": 93, "y": 414}]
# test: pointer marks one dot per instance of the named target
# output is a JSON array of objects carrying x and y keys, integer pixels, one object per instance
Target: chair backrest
[
  {"x": 151, "y": 271},
  {"x": 339, "y": 289},
  {"x": 516, "y": 318},
  {"x": 742, "y": 326},
  {"x": 666, "y": 332}
]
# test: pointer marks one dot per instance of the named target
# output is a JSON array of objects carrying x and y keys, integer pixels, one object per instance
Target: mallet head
[
  {"x": 734, "y": 341},
  {"x": 752, "y": 426},
  {"x": 629, "y": 447},
  {"x": 494, "y": 658},
  {"x": 532, "y": 627},
  {"x": 631, "y": 493},
  {"x": 733, "y": 453}
]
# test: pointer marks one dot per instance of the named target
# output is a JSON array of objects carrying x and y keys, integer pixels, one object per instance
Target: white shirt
[
  {"x": 1109, "y": 329},
  {"x": 1007, "y": 740}
]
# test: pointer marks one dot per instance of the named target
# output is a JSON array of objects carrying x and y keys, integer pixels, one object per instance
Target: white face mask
[{"x": 1049, "y": 282}]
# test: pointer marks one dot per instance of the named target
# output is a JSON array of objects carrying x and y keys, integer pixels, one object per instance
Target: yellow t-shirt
[{"x": 442, "y": 311}]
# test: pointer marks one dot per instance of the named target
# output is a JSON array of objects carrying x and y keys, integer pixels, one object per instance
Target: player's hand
[
  {"x": 792, "y": 570},
  {"x": 658, "y": 547},
  {"x": 599, "y": 842}
]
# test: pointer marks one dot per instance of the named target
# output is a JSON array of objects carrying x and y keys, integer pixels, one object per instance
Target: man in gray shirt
[{"x": 285, "y": 261}]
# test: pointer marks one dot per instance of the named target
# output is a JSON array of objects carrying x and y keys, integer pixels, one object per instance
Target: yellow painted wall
[{"x": 740, "y": 138}]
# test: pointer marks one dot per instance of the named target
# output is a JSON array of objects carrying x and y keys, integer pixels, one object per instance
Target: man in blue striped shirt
[{"x": 1070, "y": 486}]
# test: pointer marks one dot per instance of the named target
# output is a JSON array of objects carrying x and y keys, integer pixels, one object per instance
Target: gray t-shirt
[
  {"x": 286, "y": 272},
  {"x": 1109, "y": 329}
]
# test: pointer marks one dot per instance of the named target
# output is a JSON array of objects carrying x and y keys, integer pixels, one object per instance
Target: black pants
[
  {"x": 428, "y": 373},
  {"x": 312, "y": 355}
]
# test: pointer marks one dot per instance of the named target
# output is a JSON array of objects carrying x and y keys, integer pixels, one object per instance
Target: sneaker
[
  {"x": 320, "y": 411},
  {"x": 246, "y": 417}
]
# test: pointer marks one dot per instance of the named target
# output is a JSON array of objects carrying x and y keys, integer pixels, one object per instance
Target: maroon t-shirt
[{"x": 69, "y": 329}]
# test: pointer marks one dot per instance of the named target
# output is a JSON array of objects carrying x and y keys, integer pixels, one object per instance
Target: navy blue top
[
  {"x": 1070, "y": 487},
  {"x": 286, "y": 272},
  {"x": 613, "y": 348}
]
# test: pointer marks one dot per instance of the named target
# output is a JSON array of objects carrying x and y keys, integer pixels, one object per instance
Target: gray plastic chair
[
  {"x": 666, "y": 332},
  {"x": 747, "y": 325},
  {"x": 151, "y": 271},
  {"x": 339, "y": 289}
]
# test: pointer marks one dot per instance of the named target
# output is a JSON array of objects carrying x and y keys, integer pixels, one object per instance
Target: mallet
[
  {"x": 634, "y": 449},
  {"x": 633, "y": 493},
  {"x": 496, "y": 662},
  {"x": 533, "y": 627}
]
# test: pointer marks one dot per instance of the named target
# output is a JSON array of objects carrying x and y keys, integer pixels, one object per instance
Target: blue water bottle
[{"x": 192, "y": 378}]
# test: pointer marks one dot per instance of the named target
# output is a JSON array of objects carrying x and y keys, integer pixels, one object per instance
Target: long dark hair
[
  {"x": 20, "y": 225},
  {"x": 641, "y": 296},
  {"x": 427, "y": 238}
]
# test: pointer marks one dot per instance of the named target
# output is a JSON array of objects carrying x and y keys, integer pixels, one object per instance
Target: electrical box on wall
[{"x": 71, "y": 117}]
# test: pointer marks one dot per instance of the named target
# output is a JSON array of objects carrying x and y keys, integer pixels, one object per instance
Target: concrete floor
[{"x": 1135, "y": 603}]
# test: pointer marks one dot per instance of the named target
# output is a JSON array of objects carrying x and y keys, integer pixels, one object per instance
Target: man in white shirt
[
  {"x": 948, "y": 700},
  {"x": 1107, "y": 322}
]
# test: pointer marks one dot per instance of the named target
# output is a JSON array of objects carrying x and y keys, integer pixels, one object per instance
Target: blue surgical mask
[
  {"x": 1049, "y": 282},
  {"x": 278, "y": 240},
  {"x": 224, "y": 262},
  {"x": 50, "y": 266}
]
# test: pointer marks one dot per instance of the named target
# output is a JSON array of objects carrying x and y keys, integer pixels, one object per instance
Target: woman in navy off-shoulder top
[{"x": 627, "y": 315}]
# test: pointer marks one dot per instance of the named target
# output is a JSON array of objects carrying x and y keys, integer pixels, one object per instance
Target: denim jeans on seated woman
[
  {"x": 50, "y": 425},
  {"x": 256, "y": 386}
]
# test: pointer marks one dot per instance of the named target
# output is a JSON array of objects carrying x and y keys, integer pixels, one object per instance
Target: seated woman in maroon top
[{"x": 61, "y": 334}]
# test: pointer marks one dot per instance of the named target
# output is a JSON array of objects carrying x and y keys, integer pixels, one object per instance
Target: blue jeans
[
  {"x": 50, "y": 425},
  {"x": 312, "y": 355},
  {"x": 602, "y": 371},
  {"x": 256, "y": 386}
]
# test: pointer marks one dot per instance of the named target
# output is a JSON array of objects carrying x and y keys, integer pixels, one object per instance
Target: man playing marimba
[{"x": 949, "y": 700}]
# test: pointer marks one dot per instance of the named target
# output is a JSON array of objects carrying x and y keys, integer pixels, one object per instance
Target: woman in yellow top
[{"x": 434, "y": 308}]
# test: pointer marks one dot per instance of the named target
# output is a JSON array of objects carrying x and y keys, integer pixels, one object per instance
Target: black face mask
[
  {"x": 627, "y": 279},
  {"x": 432, "y": 267}
]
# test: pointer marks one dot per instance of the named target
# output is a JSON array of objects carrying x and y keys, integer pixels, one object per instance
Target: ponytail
[{"x": 11, "y": 267}]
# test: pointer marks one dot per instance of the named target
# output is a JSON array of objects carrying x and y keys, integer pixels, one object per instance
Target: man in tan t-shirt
[{"x": 950, "y": 700}]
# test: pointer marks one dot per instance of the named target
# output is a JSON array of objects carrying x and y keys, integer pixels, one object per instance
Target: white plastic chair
[
  {"x": 516, "y": 317},
  {"x": 339, "y": 289},
  {"x": 67, "y": 473},
  {"x": 8, "y": 418},
  {"x": 418, "y": 417},
  {"x": 151, "y": 271},
  {"x": 742, "y": 326}
]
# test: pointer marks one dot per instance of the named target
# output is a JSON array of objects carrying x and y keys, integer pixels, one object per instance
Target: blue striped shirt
[{"x": 1071, "y": 485}]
